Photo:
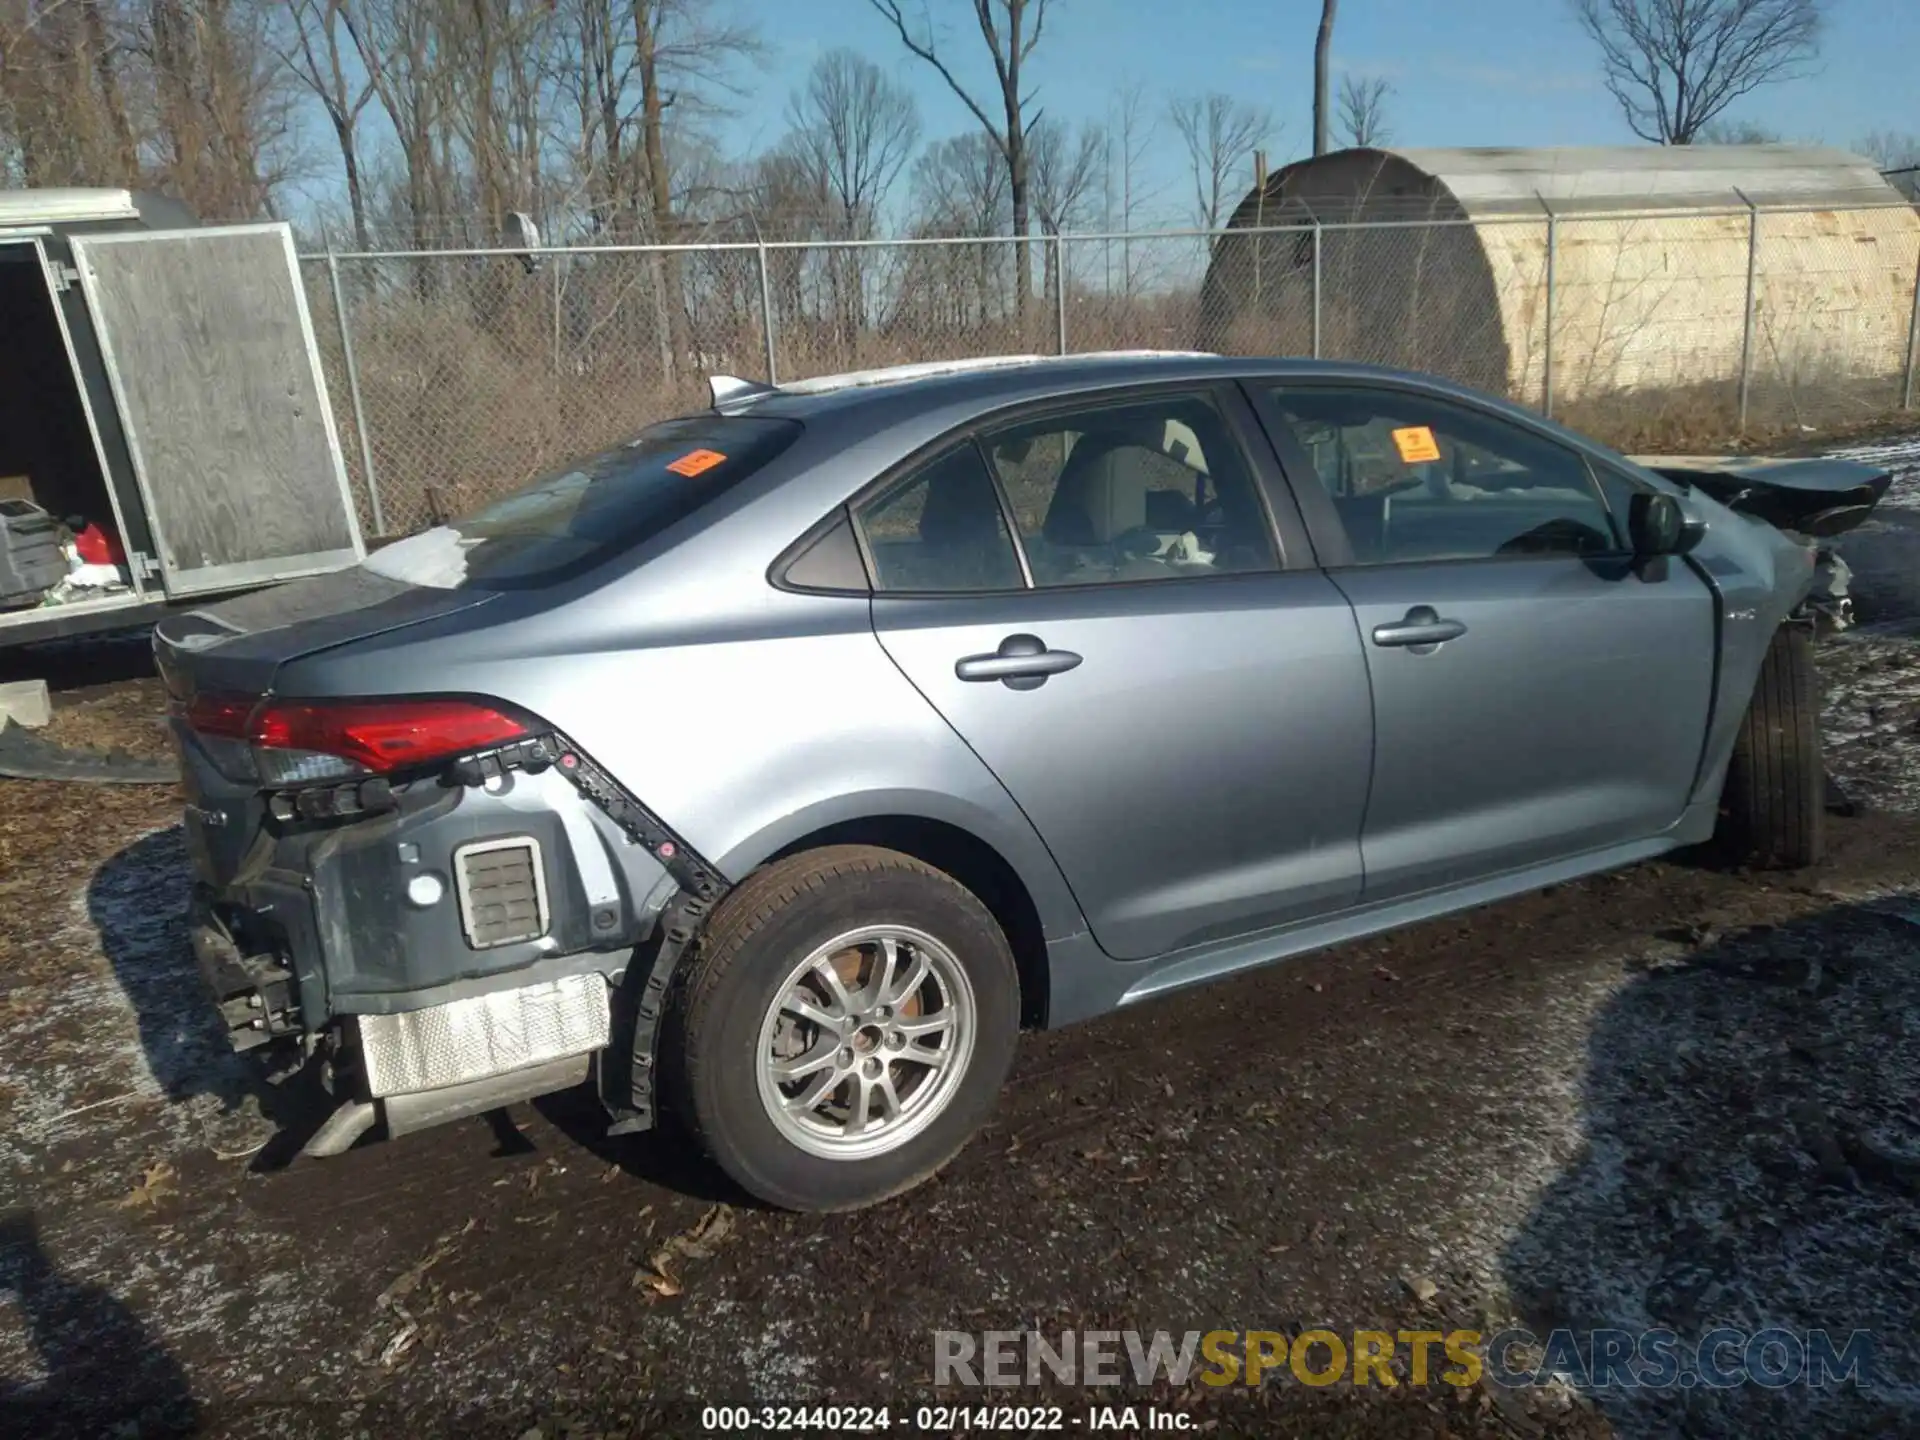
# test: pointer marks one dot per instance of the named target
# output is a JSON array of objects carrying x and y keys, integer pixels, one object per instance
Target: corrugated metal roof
[
  {"x": 59, "y": 207},
  {"x": 1654, "y": 177}
]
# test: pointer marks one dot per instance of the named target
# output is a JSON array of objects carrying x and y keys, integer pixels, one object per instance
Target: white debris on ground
[{"x": 1871, "y": 674}]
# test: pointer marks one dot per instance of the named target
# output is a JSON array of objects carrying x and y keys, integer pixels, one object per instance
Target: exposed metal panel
[{"x": 211, "y": 355}]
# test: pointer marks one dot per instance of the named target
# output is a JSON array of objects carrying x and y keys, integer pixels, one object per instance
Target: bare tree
[
  {"x": 397, "y": 45},
  {"x": 1890, "y": 149},
  {"x": 1737, "y": 132},
  {"x": 1219, "y": 133},
  {"x": 1673, "y": 65},
  {"x": 853, "y": 131},
  {"x": 1010, "y": 127},
  {"x": 1129, "y": 185},
  {"x": 65, "y": 114},
  {"x": 1322, "y": 57},
  {"x": 311, "y": 47},
  {"x": 856, "y": 129},
  {"x": 960, "y": 188},
  {"x": 1066, "y": 167},
  {"x": 1363, "y": 109}
]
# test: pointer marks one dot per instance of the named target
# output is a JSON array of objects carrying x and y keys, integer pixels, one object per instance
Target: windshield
[{"x": 596, "y": 508}]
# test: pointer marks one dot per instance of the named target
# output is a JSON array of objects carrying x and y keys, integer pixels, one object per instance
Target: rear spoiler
[{"x": 1818, "y": 497}]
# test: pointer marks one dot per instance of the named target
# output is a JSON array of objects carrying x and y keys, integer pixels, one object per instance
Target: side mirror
[{"x": 1656, "y": 525}]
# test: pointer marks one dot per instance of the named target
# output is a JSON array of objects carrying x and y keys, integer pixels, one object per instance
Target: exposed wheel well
[{"x": 976, "y": 865}]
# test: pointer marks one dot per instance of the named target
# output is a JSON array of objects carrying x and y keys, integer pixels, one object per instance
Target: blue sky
[{"x": 1464, "y": 72}]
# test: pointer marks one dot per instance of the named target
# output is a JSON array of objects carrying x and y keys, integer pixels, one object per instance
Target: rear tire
[
  {"x": 1776, "y": 783},
  {"x": 912, "y": 1005}
]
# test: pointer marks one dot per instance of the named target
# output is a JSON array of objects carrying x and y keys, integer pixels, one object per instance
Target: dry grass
[{"x": 486, "y": 377}]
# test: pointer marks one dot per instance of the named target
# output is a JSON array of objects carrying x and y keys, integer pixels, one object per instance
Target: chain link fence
[{"x": 459, "y": 374}]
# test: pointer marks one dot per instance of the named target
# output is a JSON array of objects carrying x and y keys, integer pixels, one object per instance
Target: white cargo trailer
[{"x": 159, "y": 379}]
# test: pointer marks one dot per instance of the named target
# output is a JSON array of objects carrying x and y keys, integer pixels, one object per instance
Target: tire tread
[{"x": 1776, "y": 787}]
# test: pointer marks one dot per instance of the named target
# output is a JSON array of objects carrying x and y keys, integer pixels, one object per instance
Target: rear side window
[
  {"x": 942, "y": 530},
  {"x": 577, "y": 517}
]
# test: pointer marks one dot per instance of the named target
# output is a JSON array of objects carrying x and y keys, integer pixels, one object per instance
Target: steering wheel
[{"x": 1562, "y": 535}]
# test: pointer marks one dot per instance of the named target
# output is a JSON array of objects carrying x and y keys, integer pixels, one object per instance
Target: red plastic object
[{"x": 96, "y": 547}]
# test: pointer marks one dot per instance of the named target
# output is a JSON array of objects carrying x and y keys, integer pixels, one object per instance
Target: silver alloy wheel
[{"x": 866, "y": 1041}]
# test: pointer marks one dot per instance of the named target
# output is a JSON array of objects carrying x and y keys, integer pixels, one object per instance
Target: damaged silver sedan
[{"x": 779, "y": 766}]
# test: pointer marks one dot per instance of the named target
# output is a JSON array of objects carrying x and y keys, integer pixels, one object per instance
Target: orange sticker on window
[
  {"x": 695, "y": 461},
  {"x": 1416, "y": 444}
]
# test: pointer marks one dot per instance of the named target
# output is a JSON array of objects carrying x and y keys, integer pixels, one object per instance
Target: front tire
[
  {"x": 1776, "y": 782},
  {"x": 848, "y": 1021}
]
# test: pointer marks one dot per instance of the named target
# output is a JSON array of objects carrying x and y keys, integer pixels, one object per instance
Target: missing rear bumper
[
  {"x": 465, "y": 1041},
  {"x": 423, "y": 1109}
]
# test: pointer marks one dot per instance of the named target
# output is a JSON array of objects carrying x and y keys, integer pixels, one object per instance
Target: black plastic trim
[
  {"x": 555, "y": 750},
  {"x": 784, "y": 574},
  {"x": 624, "y": 1072}
]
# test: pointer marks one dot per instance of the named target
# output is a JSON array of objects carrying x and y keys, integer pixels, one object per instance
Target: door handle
[
  {"x": 1421, "y": 630},
  {"x": 1023, "y": 662}
]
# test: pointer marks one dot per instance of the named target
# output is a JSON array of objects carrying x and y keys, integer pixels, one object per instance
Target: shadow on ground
[
  {"x": 1751, "y": 1162},
  {"x": 137, "y": 901},
  {"x": 104, "y": 1374}
]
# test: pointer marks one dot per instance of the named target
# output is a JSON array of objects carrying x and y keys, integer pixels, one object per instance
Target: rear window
[{"x": 575, "y": 518}]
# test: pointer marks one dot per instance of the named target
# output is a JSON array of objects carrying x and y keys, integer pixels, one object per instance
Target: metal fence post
[
  {"x": 1546, "y": 366},
  {"x": 1317, "y": 234},
  {"x": 766, "y": 312},
  {"x": 1913, "y": 340},
  {"x": 1746, "y": 330},
  {"x": 1060, "y": 288},
  {"x": 375, "y": 513}
]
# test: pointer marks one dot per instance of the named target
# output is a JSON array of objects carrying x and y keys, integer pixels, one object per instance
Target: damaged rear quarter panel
[{"x": 745, "y": 717}]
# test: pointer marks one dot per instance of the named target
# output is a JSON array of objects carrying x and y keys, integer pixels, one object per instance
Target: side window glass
[
  {"x": 1416, "y": 479},
  {"x": 941, "y": 530},
  {"x": 1149, "y": 490}
]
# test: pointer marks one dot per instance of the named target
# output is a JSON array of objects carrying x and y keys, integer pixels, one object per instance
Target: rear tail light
[
  {"x": 295, "y": 742},
  {"x": 222, "y": 717}
]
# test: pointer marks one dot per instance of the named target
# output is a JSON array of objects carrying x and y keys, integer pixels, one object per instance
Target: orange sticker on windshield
[
  {"x": 1416, "y": 444},
  {"x": 695, "y": 461}
]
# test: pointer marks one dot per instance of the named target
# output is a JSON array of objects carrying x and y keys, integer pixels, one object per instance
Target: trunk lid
[{"x": 236, "y": 648}]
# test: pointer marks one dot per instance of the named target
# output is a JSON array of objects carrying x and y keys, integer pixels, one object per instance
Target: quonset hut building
[{"x": 1440, "y": 260}]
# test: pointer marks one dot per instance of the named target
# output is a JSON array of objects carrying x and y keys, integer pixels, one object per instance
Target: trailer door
[{"x": 210, "y": 352}]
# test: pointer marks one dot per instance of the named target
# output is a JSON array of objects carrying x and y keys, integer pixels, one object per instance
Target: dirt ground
[{"x": 1677, "y": 1096}]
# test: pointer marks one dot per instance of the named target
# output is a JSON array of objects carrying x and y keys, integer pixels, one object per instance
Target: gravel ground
[{"x": 1677, "y": 1096}]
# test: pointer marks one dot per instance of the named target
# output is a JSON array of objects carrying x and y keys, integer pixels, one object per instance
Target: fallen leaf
[
  {"x": 408, "y": 1280},
  {"x": 661, "y": 1284},
  {"x": 402, "y": 1342},
  {"x": 157, "y": 1182}
]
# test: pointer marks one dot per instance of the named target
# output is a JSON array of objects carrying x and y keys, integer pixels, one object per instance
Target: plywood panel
[{"x": 209, "y": 346}]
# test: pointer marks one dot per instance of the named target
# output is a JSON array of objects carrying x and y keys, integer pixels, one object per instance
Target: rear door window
[
  {"x": 942, "y": 530},
  {"x": 577, "y": 517}
]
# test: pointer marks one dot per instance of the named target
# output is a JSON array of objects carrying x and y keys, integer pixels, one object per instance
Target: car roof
[{"x": 899, "y": 392}]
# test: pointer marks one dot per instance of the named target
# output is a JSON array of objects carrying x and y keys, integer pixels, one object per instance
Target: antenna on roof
[{"x": 726, "y": 389}]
